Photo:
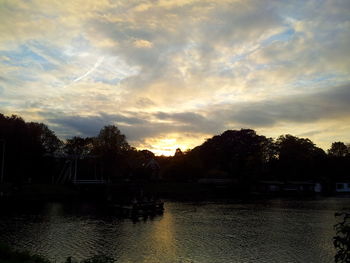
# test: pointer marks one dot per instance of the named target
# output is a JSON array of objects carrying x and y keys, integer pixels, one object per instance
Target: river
[{"x": 275, "y": 230}]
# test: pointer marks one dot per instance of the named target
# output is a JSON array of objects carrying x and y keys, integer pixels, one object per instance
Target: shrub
[{"x": 342, "y": 239}]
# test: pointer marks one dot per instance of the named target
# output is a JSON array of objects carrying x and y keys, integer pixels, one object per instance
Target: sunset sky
[{"x": 172, "y": 73}]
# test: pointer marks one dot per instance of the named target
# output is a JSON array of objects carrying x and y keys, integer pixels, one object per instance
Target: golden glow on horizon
[{"x": 167, "y": 145}]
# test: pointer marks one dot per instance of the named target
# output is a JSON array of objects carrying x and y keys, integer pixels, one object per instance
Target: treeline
[
  {"x": 26, "y": 148},
  {"x": 31, "y": 152},
  {"x": 34, "y": 153},
  {"x": 246, "y": 157}
]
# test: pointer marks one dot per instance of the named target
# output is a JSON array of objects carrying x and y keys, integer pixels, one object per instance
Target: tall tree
[
  {"x": 238, "y": 153},
  {"x": 110, "y": 141},
  {"x": 44, "y": 137},
  {"x": 112, "y": 147},
  {"x": 28, "y": 149},
  {"x": 338, "y": 149},
  {"x": 79, "y": 146},
  {"x": 299, "y": 158},
  {"x": 294, "y": 148}
]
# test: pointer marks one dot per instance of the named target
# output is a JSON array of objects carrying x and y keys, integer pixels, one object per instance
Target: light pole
[{"x": 3, "y": 160}]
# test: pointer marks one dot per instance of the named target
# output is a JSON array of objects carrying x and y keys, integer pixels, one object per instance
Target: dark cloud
[
  {"x": 137, "y": 126},
  {"x": 138, "y": 133},
  {"x": 118, "y": 118},
  {"x": 84, "y": 126},
  {"x": 91, "y": 125},
  {"x": 331, "y": 103},
  {"x": 134, "y": 128}
]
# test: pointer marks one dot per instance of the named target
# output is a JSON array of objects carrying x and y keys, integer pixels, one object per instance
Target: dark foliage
[
  {"x": 339, "y": 149},
  {"x": 241, "y": 157},
  {"x": 94, "y": 259},
  {"x": 299, "y": 158},
  {"x": 99, "y": 259},
  {"x": 111, "y": 148},
  {"x": 30, "y": 149},
  {"x": 342, "y": 239},
  {"x": 79, "y": 146}
]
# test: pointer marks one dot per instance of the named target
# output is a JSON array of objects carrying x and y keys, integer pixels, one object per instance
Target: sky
[{"x": 172, "y": 73}]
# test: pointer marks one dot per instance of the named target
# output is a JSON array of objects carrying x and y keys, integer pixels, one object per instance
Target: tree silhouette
[
  {"x": 112, "y": 148},
  {"x": 178, "y": 153},
  {"x": 44, "y": 137},
  {"x": 29, "y": 149},
  {"x": 110, "y": 141},
  {"x": 341, "y": 241},
  {"x": 293, "y": 148},
  {"x": 79, "y": 146},
  {"x": 338, "y": 149},
  {"x": 241, "y": 155}
]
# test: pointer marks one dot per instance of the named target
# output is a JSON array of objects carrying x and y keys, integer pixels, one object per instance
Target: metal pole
[
  {"x": 3, "y": 161},
  {"x": 75, "y": 169}
]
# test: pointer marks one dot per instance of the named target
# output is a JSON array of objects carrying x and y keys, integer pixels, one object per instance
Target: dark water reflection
[{"x": 266, "y": 231}]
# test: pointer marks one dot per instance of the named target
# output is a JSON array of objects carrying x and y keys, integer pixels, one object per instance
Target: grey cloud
[
  {"x": 192, "y": 122},
  {"x": 183, "y": 117},
  {"x": 252, "y": 116},
  {"x": 239, "y": 21},
  {"x": 133, "y": 128},
  {"x": 138, "y": 126},
  {"x": 145, "y": 102},
  {"x": 204, "y": 27},
  {"x": 202, "y": 39},
  {"x": 130, "y": 120},
  {"x": 124, "y": 33},
  {"x": 317, "y": 46},
  {"x": 84, "y": 126},
  {"x": 331, "y": 103},
  {"x": 312, "y": 133},
  {"x": 91, "y": 125},
  {"x": 138, "y": 133}
]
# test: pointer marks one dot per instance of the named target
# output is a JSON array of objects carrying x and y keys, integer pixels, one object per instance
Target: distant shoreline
[{"x": 179, "y": 191}]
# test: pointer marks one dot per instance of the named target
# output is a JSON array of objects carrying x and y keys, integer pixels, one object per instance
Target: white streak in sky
[{"x": 97, "y": 64}]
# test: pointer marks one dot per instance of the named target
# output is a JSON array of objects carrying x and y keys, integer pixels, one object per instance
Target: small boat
[{"x": 140, "y": 208}]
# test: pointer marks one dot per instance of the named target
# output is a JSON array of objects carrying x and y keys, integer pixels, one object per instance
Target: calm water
[{"x": 278, "y": 230}]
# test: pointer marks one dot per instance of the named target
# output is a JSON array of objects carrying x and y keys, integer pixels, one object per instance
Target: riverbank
[
  {"x": 117, "y": 191},
  {"x": 182, "y": 191}
]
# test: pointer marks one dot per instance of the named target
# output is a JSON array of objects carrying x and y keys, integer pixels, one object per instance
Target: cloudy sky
[{"x": 171, "y": 73}]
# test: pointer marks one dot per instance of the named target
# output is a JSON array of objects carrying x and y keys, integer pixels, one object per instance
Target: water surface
[{"x": 278, "y": 230}]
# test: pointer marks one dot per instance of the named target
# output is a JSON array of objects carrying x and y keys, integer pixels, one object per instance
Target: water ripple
[{"x": 270, "y": 231}]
